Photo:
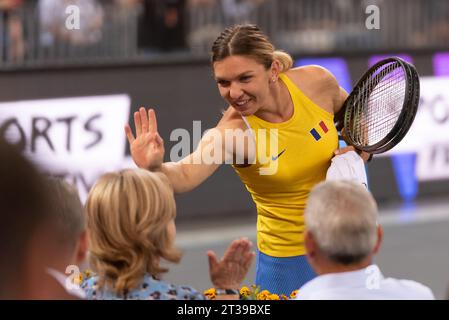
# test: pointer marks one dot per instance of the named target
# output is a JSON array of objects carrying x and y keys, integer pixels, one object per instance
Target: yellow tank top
[{"x": 281, "y": 182}]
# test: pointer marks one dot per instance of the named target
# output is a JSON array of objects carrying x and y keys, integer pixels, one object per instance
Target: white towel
[{"x": 348, "y": 166}]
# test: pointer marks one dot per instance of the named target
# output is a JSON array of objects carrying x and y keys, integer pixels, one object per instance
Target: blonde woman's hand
[
  {"x": 147, "y": 148},
  {"x": 230, "y": 271}
]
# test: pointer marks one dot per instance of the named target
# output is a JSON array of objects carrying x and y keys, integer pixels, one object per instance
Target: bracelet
[{"x": 221, "y": 292}]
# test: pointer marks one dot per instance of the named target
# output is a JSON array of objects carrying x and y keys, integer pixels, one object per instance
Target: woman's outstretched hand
[
  {"x": 147, "y": 148},
  {"x": 230, "y": 271}
]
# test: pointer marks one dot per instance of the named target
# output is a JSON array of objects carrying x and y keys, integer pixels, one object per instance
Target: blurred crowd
[
  {"x": 35, "y": 29},
  {"x": 157, "y": 25}
]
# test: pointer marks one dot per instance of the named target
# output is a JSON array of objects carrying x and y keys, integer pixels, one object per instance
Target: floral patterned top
[{"x": 149, "y": 289}]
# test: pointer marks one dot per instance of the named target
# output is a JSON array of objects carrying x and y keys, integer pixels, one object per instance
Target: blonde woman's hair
[
  {"x": 127, "y": 217},
  {"x": 248, "y": 40}
]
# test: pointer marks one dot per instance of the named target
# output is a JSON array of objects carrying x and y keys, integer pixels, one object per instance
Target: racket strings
[
  {"x": 378, "y": 104},
  {"x": 383, "y": 113},
  {"x": 384, "y": 116}
]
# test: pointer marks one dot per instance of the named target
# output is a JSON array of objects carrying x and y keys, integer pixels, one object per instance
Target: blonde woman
[{"x": 131, "y": 228}]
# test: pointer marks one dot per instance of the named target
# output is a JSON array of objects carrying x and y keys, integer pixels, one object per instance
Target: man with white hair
[{"x": 341, "y": 239}]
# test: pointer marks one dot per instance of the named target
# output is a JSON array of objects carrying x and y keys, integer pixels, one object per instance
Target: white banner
[
  {"x": 77, "y": 138},
  {"x": 429, "y": 135},
  {"x": 433, "y": 155}
]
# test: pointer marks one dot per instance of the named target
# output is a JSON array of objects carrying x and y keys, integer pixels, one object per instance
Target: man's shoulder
[
  {"x": 408, "y": 288},
  {"x": 311, "y": 290},
  {"x": 353, "y": 286}
]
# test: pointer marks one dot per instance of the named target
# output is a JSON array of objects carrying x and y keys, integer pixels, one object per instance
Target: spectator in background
[
  {"x": 27, "y": 242},
  {"x": 341, "y": 240},
  {"x": 53, "y": 17},
  {"x": 131, "y": 228},
  {"x": 205, "y": 23},
  {"x": 163, "y": 26},
  {"x": 11, "y": 30},
  {"x": 209, "y": 17},
  {"x": 435, "y": 32},
  {"x": 239, "y": 11}
]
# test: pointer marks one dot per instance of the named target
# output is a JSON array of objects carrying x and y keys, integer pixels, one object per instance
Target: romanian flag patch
[{"x": 318, "y": 131}]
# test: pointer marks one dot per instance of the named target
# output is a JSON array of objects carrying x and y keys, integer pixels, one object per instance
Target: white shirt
[
  {"x": 73, "y": 290},
  {"x": 363, "y": 284}
]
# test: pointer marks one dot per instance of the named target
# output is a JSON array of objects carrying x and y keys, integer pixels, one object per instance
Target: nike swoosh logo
[{"x": 275, "y": 158}]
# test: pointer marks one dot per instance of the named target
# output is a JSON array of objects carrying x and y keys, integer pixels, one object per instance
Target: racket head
[
  {"x": 407, "y": 121},
  {"x": 382, "y": 106}
]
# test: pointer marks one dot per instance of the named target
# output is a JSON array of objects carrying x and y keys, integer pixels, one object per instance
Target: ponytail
[{"x": 284, "y": 59}]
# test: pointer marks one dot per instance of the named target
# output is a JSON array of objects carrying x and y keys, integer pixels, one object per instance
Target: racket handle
[{"x": 360, "y": 154}]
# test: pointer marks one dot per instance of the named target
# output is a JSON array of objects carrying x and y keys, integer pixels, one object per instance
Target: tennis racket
[{"x": 382, "y": 106}]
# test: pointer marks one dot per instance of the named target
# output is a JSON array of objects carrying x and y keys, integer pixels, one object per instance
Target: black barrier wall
[{"x": 182, "y": 93}]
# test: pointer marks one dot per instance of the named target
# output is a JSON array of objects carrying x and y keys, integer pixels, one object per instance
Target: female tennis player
[{"x": 263, "y": 92}]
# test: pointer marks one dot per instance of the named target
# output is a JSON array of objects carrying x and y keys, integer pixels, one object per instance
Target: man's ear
[
  {"x": 310, "y": 244},
  {"x": 380, "y": 235},
  {"x": 81, "y": 248}
]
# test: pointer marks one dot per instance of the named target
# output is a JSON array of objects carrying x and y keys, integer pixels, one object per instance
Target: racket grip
[{"x": 359, "y": 152}]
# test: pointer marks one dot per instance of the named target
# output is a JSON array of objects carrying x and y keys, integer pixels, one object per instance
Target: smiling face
[{"x": 243, "y": 83}]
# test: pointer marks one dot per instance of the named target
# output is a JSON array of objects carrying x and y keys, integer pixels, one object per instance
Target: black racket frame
[{"x": 408, "y": 111}]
